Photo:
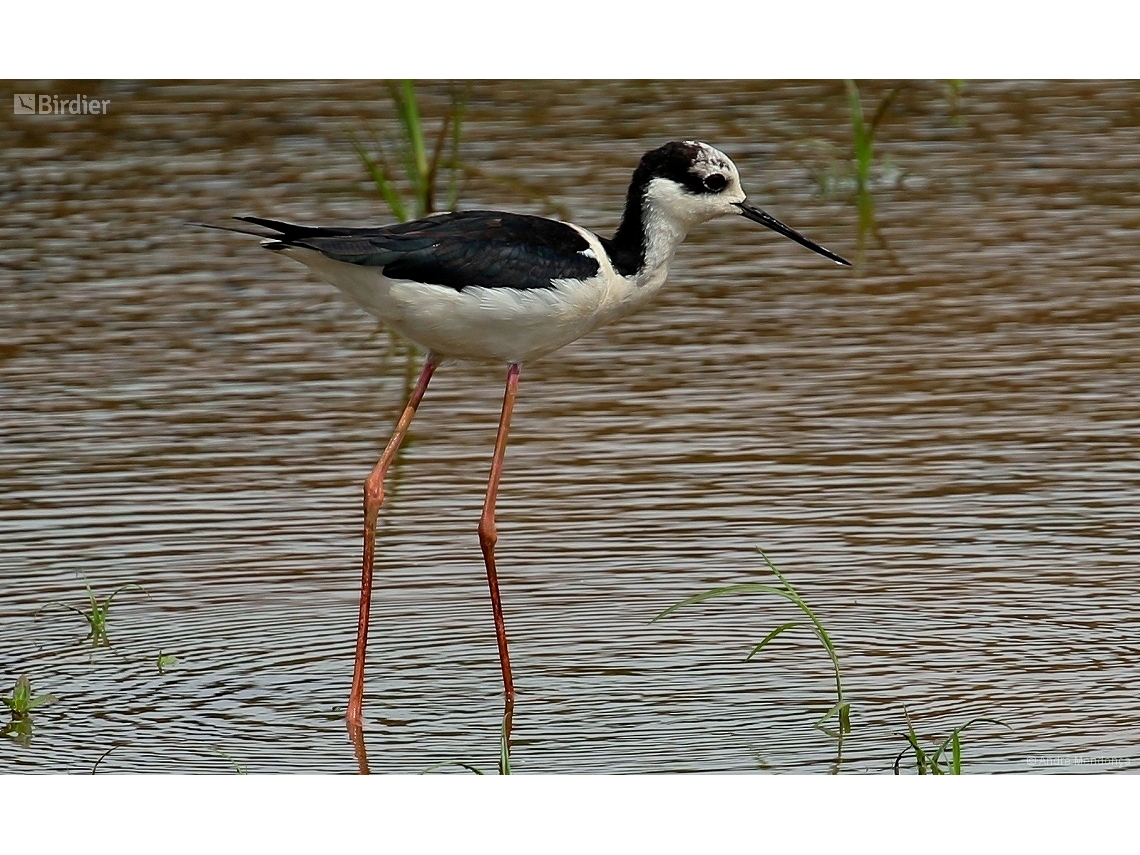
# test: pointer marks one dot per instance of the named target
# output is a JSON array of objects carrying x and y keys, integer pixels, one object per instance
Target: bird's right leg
[
  {"x": 488, "y": 532},
  {"x": 488, "y": 536},
  {"x": 373, "y": 497}
]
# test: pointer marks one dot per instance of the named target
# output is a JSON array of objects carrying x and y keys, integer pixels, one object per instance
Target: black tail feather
[
  {"x": 285, "y": 232},
  {"x": 227, "y": 228}
]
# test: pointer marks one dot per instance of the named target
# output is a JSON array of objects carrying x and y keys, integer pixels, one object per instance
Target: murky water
[{"x": 941, "y": 448}]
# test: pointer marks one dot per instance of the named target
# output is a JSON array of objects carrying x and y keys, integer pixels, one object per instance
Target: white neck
[{"x": 665, "y": 219}]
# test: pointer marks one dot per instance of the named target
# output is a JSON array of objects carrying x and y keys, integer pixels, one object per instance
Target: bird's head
[{"x": 692, "y": 182}]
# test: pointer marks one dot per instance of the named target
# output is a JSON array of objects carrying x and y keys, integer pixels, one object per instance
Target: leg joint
[{"x": 488, "y": 532}]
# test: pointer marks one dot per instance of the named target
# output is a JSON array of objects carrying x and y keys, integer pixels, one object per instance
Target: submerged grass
[{"x": 841, "y": 710}]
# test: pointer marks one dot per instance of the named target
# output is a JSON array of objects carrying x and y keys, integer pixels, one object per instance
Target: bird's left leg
[
  {"x": 373, "y": 496},
  {"x": 488, "y": 533}
]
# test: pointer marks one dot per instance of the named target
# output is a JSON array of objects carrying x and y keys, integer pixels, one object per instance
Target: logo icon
[{"x": 23, "y": 104}]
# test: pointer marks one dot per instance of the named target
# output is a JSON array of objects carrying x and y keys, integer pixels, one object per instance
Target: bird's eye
[{"x": 715, "y": 182}]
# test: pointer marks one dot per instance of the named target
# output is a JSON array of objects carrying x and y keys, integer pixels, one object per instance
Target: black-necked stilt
[{"x": 494, "y": 286}]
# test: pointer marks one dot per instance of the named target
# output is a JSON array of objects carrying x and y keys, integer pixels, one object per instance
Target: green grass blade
[
  {"x": 79, "y": 612},
  {"x": 40, "y": 700},
  {"x": 458, "y": 108},
  {"x": 791, "y": 594},
  {"x": 885, "y": 105},
  {"x": 414, "y": 125},
  {"x": 453, "y": 122},
  {"x": 135, "y": 585},
  {"x": 743, "y": 587},
  {"x": 856, "y": 105},
  {"x": 237, "y": 766},
  {"x": 781, "y": 628},
  {"x": 858, "y": 125},
  {"x": 835, "y": 710},
  {"x": 447, "y": 763},
  {"x": 17, "y": 702},
  {"x": 984, "y": 720},
  {"x": 919, "y": 755},
  {"x": 433, "y": 167},
  {"x": 863, "y": 138},
  {"x": 505, "y": 750},
  {"x": 953, "y": 744},
  {"x": 899, "y": 758},
  {"x": 953, "y": 93},
  {"x": 102, "y": 756},
  {"x": 379, "y": 177},
  {"x": 914, "y": 745},
  {"x": 405, "y": 97}
]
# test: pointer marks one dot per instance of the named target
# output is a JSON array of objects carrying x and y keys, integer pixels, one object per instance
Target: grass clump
[
  {"x": 97, "y": 614},
  {"x": 422, "y": 174},
  {"x": 945, "y": 758},
  {"x": 841, "y": 710},
  {"x": 863, "y": 132},
  {"x": 20, "y": 703},
  {"x": 422, "y": 170}
]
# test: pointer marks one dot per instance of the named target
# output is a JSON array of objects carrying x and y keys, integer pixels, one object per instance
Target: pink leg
[
  {"x": 488, "y": 534},
  {"x": 373, "y": 497}
]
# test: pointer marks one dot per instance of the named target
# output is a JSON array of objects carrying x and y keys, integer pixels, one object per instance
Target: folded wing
[{"x": 470, "y": 249}]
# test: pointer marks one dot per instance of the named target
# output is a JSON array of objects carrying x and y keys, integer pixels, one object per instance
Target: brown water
[{"x": 941, "y": 448}]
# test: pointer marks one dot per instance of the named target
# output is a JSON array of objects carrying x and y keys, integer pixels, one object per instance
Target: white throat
[{"x": 667, "y": 215}]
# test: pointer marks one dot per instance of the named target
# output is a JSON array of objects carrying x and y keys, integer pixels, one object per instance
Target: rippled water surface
[{"x": 939, "y": 447}]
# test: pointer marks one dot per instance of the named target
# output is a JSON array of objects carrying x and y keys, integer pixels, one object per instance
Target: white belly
[{"x": 481, "y": 324}]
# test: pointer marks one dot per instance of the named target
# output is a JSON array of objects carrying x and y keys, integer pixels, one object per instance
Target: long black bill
[{"x": 757, "y": 216}]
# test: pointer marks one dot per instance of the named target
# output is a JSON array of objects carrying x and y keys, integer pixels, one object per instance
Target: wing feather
[{"x": 470, "y": 249}]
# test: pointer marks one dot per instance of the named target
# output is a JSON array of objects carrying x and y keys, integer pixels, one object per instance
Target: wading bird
[{"x": 492, "y": 286}]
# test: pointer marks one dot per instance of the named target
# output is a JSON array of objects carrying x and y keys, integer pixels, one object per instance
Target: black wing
[{"x": 470, "y": 249}]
